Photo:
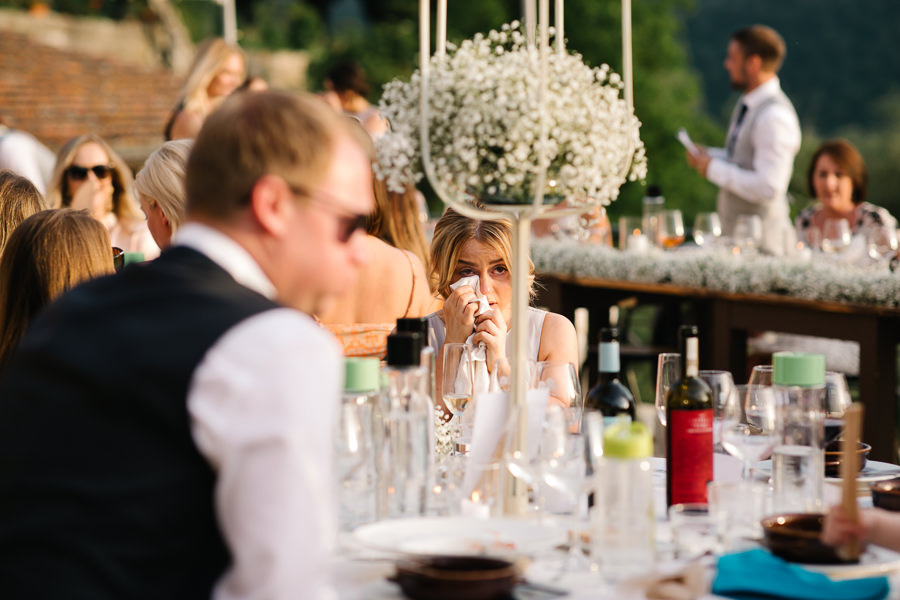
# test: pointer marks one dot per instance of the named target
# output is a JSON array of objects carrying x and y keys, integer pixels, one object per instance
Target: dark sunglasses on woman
[{"x": 80, "y": 173}]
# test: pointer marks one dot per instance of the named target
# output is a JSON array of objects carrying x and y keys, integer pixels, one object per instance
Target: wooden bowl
[
  {"x": 795, "y": 538},
  {"x": 886, "y": 494},
  {"x": 452, "y": 577},
  {"x": 834, "y": 454}
]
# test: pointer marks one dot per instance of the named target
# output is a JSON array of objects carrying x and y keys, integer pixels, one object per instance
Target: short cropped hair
[
  {"x": 252, "y": 135},
  {"x": 162, "y": 179},
  {"x": 452, "y": 231},
  {"x": 763, "y": 41},
  {"x": 848, "y": 159},
  {"x": 19, "y": 199}
]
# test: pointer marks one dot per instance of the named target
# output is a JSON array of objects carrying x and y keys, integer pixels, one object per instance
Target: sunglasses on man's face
[
  {"x": 80, "y": 173},
  {"x": 348, "y": 222}
]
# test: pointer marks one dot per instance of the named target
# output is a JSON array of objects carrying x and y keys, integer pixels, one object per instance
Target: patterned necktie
[{"x": 737, "y": 126}]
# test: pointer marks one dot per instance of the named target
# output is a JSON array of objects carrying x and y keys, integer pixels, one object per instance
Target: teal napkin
[{"x": 759, "y": 574}]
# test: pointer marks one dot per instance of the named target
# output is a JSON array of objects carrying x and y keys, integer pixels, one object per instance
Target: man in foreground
[{"x": 166, "y": 432}]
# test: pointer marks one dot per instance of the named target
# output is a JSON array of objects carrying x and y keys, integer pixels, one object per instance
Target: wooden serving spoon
[{"x": 849, "y": 471}]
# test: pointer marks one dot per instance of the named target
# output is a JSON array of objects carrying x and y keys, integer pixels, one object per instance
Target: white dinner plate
[
  {"x": 873, "y": 471},
  {"x": 875, "y": 561},
  {"x": 461, "y": 536}
]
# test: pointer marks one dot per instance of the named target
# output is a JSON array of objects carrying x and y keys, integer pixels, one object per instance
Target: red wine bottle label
[{"x": 691, "y": 459}]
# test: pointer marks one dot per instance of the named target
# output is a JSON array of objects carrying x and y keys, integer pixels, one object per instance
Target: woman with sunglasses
[{"x": 90, "y": 175}]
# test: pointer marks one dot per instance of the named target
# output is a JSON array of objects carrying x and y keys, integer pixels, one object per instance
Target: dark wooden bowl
[
  {"x": 834, "y": 454},
  {"x": 795, "y": 538},
  {"x": 452, "y": 577},
  {"x": 886, "y": 494}
]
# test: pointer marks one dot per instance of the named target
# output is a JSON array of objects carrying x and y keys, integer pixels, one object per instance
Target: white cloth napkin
[{"x": 479, "y": 353}]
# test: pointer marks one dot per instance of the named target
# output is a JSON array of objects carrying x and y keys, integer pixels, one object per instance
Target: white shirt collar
[
  {"x": 761, "y": 92},
  {"x": 226, "y": 253}
]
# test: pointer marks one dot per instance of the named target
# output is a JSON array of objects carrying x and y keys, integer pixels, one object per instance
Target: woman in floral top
[{"x": 837, "y": 178}]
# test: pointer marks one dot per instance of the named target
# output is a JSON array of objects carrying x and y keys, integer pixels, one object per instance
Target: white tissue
[{"x": 479, "y": 354}]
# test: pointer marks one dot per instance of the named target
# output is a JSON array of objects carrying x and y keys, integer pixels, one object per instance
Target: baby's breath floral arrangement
[
  {"x": 446, "y": 432},
  {"x": 485, "y": 125}
]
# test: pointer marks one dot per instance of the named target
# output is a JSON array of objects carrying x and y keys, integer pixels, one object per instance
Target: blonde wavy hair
[
  {"x": 59, "y": 196},
  {"x": 452, "y": 231},
  {"x": 161, "y": 180},
  {"x": 19, "y": 199},
  {"x": 209, "y": 59}
]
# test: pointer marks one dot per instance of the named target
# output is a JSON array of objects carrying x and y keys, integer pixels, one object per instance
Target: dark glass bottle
[
  {"x": 610, "y": 396},
  {"x": 689, "y": 427}
]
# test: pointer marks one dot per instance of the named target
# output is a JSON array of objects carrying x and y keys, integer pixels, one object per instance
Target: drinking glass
[
  {"x": 881, "y": 242},
  {"x": 761, "y": 375},
  {"x": 668, "y": 371},
  {"x": 837, "y": 400},
  {"x": 747, "y": 233},
  {"x": 748, "y": 425},
  {"x": 457, "y": 381},
  {"x": 721, "y": 383},
  {"x": 707, "y": 228},
  {"x": 565, "y": 386},
  {"x": 671, "y": 228},
  {"x": 835, "y": 235}
]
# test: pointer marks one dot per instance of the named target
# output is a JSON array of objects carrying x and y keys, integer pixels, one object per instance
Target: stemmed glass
[
  {"x": 881, "y": 242},
  {"x": 835, "y": 235},
  {"x": 707, "y": 228},
  {"x": 747, "y": 232},
  {"x": 565, "y": 386},
  {"x": 671, "y": 228},
  {"x": 458, "y": 381},
  {"x": 668, "y": 371},
  {"x": 761, "y": 375},
  {"x": 837, "y": 400},
  {"x": 748, "y": 425},
  {"x": 721, "y": 383}
]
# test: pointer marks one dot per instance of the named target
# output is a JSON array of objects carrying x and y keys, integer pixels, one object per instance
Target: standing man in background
[{"x": 754, "y": 170}]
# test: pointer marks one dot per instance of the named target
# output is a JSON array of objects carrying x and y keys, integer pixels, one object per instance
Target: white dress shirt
[
  {"x": 262, "y": 405},
  {"x": 776, "y": 140}
]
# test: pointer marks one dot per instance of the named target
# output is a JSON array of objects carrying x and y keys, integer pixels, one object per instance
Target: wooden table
[{"x": 725, "y": 319}]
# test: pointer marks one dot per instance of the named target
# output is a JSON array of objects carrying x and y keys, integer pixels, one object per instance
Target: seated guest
[
  {"x": 398, "y": 219},
  {"x": 19, "y": 199},
  {"x": 160, "y": 189},
  {"x": 90, "y": 175},
  {"x": 167, "y": 431},
  {"x": 837, "y": 178},
  {"x": 463, "y": 247},
  {"x": 350, "y": 87},
  {"x": 47, "y": 254},
  {"x": 391, "y": 286},
  {"x": 874, "y": 526}
]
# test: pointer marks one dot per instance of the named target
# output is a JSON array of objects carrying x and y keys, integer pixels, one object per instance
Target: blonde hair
[
  {"x": 50, "y": 252},
  {"x": 19, "y": 199},
  {"x": 252, "y": 135},
  {"x": 209, "y": 59},
  {"x": 59, "y": 196},
  {"x": 161, "y": 180},
  {"x": 452, "y": 231},
  {"x": 396, "y": 220}
]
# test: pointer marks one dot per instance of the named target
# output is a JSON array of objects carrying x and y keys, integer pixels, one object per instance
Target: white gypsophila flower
[
  {"x": 487, "y": 119},
  {"x": 446, "y": 432}
]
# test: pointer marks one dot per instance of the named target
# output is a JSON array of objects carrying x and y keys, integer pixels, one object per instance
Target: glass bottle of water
[{"x": 356, "y": 442}]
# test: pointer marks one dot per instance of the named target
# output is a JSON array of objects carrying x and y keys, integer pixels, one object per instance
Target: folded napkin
[
  {"x": 479, "y": 354},
  {"x": 759, "y": 574},
  {"x": 686, "y": 583}
]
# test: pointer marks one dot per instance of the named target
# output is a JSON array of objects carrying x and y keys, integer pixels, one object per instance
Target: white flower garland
[
  {"x": 822, "y": 281},
  {"x": 485, "y": 119}
]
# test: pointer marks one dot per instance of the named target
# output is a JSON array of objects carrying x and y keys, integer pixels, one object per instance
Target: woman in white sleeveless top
[{"x": 463, "y": 247}]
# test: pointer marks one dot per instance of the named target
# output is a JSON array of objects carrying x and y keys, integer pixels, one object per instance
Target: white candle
[
  {"x": 441, "y": 33},
  {"x": 559, "y": 22},
  {"x": 475, "y": 507},
  {"x": 626, "y": 53},
  {"x": 424, "y": 36},
  {"x": 638, "y": 243}
]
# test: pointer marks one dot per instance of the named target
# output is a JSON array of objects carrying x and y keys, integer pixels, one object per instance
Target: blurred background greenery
[{"x": 842, "y": 71}]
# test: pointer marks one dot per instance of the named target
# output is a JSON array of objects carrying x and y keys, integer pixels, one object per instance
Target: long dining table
[{"x": 573, "y": 276}]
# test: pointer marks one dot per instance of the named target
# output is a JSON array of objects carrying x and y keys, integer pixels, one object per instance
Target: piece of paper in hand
[{"x": 686, "y": 141}]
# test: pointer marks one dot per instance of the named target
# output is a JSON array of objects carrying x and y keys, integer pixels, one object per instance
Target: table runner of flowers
[{"x": 722, "y": 271}]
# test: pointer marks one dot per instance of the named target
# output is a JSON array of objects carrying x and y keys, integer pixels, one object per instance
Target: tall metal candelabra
[{"x": 521, "y": 215}]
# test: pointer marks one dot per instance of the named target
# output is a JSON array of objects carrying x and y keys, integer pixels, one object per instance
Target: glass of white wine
[{"x": 457, "y": 382}]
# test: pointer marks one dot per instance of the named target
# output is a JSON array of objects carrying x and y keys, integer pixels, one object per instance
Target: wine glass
[
  {"x": 760, "y": 375},
  {"x": 747, "y": 234},
  {"x": 836, "y": 235},
  {"x": 881, "y": 242},
  {"x": 707, "y": 228},
  {"x": 721, "y": 384},
  {"x": 668, "y": 371},
  {"x": 457, "y": 381},
  {"x": 837, "y": 400},
  {"x": 565, "y": 387},
  {"x": 748, "y": 425},
  {"x": 671, "y": 228}
]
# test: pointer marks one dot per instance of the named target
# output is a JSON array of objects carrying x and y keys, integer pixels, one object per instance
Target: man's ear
[{"x": 272, "y": 203}]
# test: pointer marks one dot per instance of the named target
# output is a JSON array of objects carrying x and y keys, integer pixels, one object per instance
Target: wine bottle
[
  {"x": 689, "y": 429},
  {"x": 610, "y": 396}
]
